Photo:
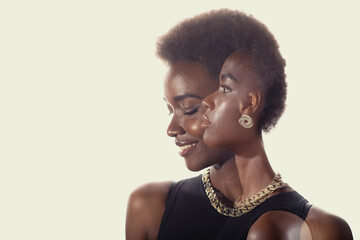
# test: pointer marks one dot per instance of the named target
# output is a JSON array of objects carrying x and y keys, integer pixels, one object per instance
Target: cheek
[
  {"x": 226, "y": 114},
  {"x": 193, "y": 127}
]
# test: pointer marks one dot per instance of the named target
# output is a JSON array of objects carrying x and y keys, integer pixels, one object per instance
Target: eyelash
[
  {"x": 192, "y": 111},
  {"x": 170, "y": 110},
  {"x": 225, "y": 88}
]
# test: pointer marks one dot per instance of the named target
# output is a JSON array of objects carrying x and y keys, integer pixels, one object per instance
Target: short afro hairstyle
[{"x": 212, "y": 36}]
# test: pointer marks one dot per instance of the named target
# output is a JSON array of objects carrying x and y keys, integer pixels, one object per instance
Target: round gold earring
[{"x": 246, "y": 121}]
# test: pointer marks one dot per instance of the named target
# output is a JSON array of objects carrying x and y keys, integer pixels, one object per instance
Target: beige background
[{"x": 82, "y": 120}]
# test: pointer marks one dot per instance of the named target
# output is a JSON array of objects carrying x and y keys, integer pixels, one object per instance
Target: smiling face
[
  {"x": 186, "y": 85},
  {"x": 238, "y": 94}
]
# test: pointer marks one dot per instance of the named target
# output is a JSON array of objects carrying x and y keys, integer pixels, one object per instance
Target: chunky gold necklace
[{"x": 240, "y": 206}]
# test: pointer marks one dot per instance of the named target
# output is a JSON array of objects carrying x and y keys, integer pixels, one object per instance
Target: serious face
[
  {"x": 186, "y": 85},
  {"x": 229, "y": 102}
]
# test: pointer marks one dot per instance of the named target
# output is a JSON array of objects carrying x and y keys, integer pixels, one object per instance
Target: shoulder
[
  {"x": 146, "y": 206},
  {"x": 318, "y": 225},
  {"x": 149, "y": 192},
  {"x": 324, "y": 225},
  {"x": 277, "y": 225}
]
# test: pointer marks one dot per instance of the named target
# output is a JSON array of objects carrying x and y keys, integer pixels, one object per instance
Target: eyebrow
[
  {"x": 187, "y": 95},
  {"x": 229, "y": 76}
]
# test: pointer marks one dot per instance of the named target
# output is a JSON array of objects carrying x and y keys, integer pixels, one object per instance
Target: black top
[{"x": 190, "y": 215}]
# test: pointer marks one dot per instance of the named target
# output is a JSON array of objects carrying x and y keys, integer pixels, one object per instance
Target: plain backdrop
[{"x": 83, "y": 122}]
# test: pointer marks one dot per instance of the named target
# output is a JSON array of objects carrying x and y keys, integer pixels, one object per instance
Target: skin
[
  {"x": 239, "y": 93},
  {"x": 186, "y": 85}
]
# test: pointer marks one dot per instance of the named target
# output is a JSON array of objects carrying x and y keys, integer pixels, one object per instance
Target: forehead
[
  {"x": 238, "y": 64},
  {"x": 189, "y": 77}
]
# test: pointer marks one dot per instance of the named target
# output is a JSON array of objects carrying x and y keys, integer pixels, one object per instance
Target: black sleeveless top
[{"x": 189, "y": 214}]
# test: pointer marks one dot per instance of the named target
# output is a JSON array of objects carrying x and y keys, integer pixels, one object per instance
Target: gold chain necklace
[{"x": 240, "y": 206}]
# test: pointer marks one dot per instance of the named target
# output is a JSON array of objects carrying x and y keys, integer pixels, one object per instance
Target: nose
[
  {"x": 208, "y": 102},
  {"x": 175, "y": 128}
]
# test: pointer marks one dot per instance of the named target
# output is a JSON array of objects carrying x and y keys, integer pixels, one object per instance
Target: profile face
[
  {"x": 227, "y": 104},
  {"x": 186, "y": 85}
]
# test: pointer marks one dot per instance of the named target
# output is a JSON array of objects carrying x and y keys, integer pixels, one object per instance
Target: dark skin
[
  {"x": 239, "y": 93},
  {"x": 186, "y": 85}
]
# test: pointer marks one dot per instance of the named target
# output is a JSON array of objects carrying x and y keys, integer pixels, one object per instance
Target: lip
[
  {"x": 186, "y": 148},
  {"x": 205, "y": 121}
]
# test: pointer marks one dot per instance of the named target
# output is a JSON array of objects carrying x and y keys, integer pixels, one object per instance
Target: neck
[
  {"x": 254, "y": 170},
  {"x": 225, "y": 178}
]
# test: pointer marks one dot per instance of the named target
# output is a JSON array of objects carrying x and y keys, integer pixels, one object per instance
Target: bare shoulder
[
  {"x": 146, "y": 206},
  {"x": 324, "y": 225},
  {"x": 279, "y": 225},
  {"x": 149, "y": 193},
  {"x": 318, "y": 225}
]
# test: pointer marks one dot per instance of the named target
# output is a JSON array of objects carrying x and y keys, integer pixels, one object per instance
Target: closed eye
[
  {"x": 192, "y": 111},
  {"x": 171, "y": 111}
]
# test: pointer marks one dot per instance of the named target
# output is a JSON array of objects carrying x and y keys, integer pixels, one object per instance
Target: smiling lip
[
  {"x": 187, "y": 149},
  {"x": 205, "y": 121}
]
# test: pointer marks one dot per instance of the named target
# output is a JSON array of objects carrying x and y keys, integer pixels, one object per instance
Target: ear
[{"x": 251, "y": 103}]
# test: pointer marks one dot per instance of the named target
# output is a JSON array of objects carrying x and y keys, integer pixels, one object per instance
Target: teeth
[{"x": 187, "y": 146}]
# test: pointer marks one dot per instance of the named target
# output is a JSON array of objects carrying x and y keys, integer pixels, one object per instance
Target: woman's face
[
  {"x": 186, "y": 85},
  {"x": 226, "y": 105}
]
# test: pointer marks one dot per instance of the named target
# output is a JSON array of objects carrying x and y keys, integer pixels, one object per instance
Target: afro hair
[{"x": 212, "y": 36}]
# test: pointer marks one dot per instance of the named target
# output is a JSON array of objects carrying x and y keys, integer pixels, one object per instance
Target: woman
[
  {"x": 193, "y": 74},
  {"x": 202, "y": 207},
  {"x": 185, "y": 87},
  {"x": 236, "y": 115}
]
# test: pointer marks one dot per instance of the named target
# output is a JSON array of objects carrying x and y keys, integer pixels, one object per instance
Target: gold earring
[{"x": 246, "y": 121}]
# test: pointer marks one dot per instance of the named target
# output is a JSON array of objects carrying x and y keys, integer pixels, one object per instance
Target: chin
[
  {"x": 194, "y": 166},
  {"x": 219, "y": 143}
]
